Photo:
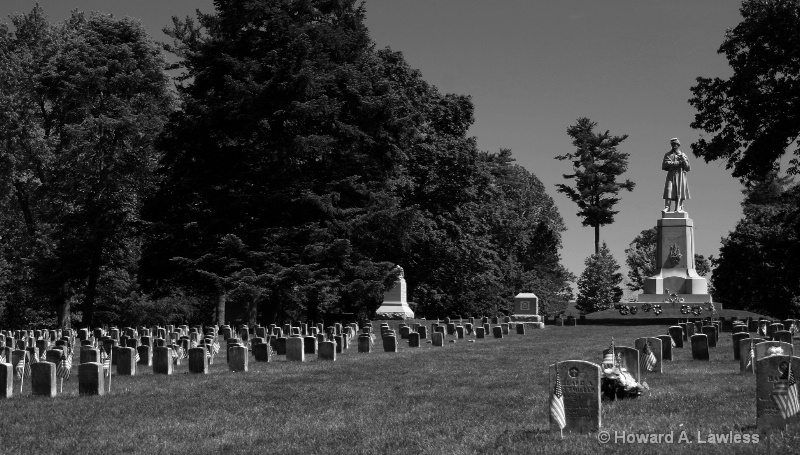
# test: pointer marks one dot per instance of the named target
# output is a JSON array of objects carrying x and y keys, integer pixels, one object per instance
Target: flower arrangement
[{"x": 616, "y": 381}]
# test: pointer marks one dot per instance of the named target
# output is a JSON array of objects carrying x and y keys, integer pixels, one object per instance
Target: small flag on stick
[{"x": 557, "y": 405}]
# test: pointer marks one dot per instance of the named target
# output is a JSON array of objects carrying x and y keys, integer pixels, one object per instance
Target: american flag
[
  {"x": 215, "y": 347},
  {"x": 751, "y": 357},
  {"x": 762, "y": 328},
  {"x": 793, "y": 328},
  {"x": 557, "y": 405},
  {"x": 136, "y": 357},
  {"x": 177, "y": 354},
  {"x": 647, "y": 358},
  {"x": 19, "y": 368},
  {"x": 785, "y": 396},
  {"x": 2, "y": 356},
  {"x": 64, "y": 367},
  {"x": 105, "y": 359}
]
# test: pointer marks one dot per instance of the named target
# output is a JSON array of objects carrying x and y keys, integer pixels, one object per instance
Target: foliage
[
  {"x": 81, "y": 106},
  {"x": 596, "y": 165},
  {"x": 598, "y": 285},
  {"x": 758, "y": 266},
  {"x": 641, "y": 257},
  {"x": 754, "y": 115},
  {"x": 331, "y": 161}
]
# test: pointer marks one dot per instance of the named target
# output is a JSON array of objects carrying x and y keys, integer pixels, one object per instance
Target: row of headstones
[{"x": 581, "y": 379}]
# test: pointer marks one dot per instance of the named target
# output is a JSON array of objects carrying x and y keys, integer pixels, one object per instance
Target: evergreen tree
[
  {"x": 598, "y": 285},
  {"x": 596, "y": 165}
]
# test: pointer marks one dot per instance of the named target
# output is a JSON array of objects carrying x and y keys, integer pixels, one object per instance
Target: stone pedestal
[
  {"x": 395, "y": 303},
  {"x": 526, "y": 307},
  {"x": 675, "y": 258}
]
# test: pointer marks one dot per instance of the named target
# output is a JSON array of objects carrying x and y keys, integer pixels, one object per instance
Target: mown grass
[{"x": 490, "y": 396}]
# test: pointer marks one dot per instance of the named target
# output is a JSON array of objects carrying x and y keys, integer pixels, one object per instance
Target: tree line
[{"x": 280, "y": 175}]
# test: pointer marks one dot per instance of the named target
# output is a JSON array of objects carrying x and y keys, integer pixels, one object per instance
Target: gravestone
[
  {"x": 261, "y": 352},
  {"x": 91, "y": 379},
  {"x": 413, "y": 340},
  {"x": 772, "y": 328},
  {"x": 327, "y": 351},
  {"x": 460, "y": 332},
  {"x": 198, "y": 361},
  {"x": 295, "y": 350},
  {"x": 782, "y": 335},
  {"x": 126, "y": 361},
  {"x": 89, "y": 355},
  {"x": 6, "y": 380},
  {"x": 504, "y": 327},
  {"x": 628, "y": 358},
  {"x": 676, "y": 332},
  {"x": 763, "y": 347},
  {"x": 736, "y": 338},
  {"x": 658, "y": 352},
  {"x": 339, "y": 343},
  {"x": 711, "y": 332},
  {"x": 437, "y": 339},
  {"x": 43, "y": 379},
  {"x": 310, "y": 345},
  {"x": 423, "y": 332},
  {"x": 480, "y": 332},
  {"x": 280, "y": 346},
  {"x": 237, "y": 358},
  {"x": 771, "y": 372},
  {"x": 162, "y": 360},
  {"x": 666, "y": 347},
  {"x": 451, "y": 328},
  {"x": 580, "y": 384},
  {"x": 144, "y": 356},
  {"x": 746, "y": 365},
  {"x": 497, "y": 331},
  {"x": 389, "y": 344},
  {"x": 404, "y": 331},
  {"x": 700, "y": 347},
  {"x": 364, "y": 343}
]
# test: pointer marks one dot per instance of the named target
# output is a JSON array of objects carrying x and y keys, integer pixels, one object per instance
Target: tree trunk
[
  {"x": 597, "y": 239},
  {"x": 63, "y": 313},
  {"x": 222, "y": 299},
  {"x": 91, "y": 285}
]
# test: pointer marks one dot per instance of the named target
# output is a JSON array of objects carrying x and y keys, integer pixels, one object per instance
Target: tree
[
  {"x": 640, "y": 257},
  {"x": 82, "y": 104},
  {"x": 596, "y": 165},
  {"x": 758, "y": 265},
  {"x": 598, "y": 285},
  {"x": 333, "y": 161},
  {"x": 754, "y": 116}
]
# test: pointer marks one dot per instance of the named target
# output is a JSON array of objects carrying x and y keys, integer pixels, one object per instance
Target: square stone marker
[
  {"x": 666, "y": 347},
  {"x": 580, "y": 383},
  {"x": 736, "y": 338},
  {"x": 700, "y": 347},
  {"x": 327, "y": 351},
  {"x": 771, "y": 372},
  {"x": 295, "y": 350},
  {"x": 91, "y": 379},
  {"x": 438, "y": 339},
  {"x": 43, "y": 379},
  {"x": 676, "y": 332}
]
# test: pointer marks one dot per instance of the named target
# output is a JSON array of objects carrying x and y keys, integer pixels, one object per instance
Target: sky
[{"x": 532, "y": 68}]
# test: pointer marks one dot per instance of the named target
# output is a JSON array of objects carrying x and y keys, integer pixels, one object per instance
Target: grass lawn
[{"x": 490, "y": 396}]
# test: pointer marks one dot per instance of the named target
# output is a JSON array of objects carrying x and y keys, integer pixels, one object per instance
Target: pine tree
[{"x": 598, "y": 286}]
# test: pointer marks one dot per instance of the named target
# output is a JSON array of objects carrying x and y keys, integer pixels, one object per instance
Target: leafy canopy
[{"x": 754, "y": 116}]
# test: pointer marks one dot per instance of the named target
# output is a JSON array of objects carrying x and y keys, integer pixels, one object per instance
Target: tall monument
[
  {"x": 395, "y": 305},
  {"x": 676, "y": 279}
]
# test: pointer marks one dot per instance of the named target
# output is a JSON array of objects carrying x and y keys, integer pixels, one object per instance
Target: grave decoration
[{"x": 616, "y": 380}]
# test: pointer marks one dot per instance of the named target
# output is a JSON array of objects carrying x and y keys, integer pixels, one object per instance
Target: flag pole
[{"x": 752, "y": 349}]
